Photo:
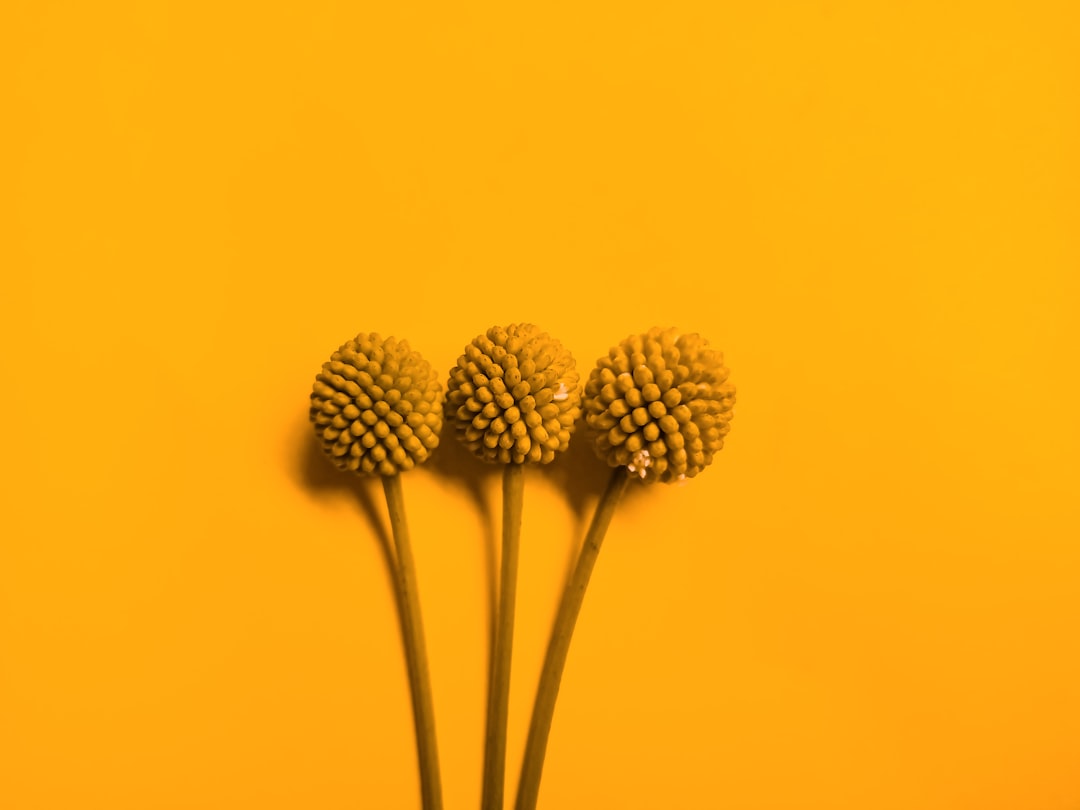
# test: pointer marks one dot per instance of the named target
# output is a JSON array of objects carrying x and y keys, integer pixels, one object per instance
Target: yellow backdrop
[{"x": 871, "y": 600}]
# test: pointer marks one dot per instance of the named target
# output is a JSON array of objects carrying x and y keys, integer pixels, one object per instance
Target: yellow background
[{"x": 870, "y": 600}]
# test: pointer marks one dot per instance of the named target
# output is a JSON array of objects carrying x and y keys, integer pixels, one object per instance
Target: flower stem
[
  {"x": 499, "y": 694},
  {"x": 555, "y": 661},
  {"x": 415, "y": 649}
]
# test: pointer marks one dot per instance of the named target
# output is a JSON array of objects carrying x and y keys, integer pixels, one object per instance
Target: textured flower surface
[
  {"x": 514, "y": 396},
  {"x": 377, "y": 406},
  {"x": 660, "y": 405}
]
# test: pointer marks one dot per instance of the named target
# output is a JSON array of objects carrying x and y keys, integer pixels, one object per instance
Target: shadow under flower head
[
  {"x": 660, "y": 405},
  {"x": 514, "y": 396},
  {"x": 377, "y": 406}
]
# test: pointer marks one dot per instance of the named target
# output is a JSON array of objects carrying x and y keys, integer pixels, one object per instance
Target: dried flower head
[
  {"x": 660, "y": 405},
  {"x": 514, "y": 395},
  {"x": 377, "y": 406}
]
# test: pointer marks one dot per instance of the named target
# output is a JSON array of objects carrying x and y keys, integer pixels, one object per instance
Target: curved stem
[
  {"x": 555, "y": 661},
  {"x": 499, "y": 694},
  {"x": 415, "y": 649}
]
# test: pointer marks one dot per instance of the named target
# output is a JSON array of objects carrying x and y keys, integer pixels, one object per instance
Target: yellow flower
[
  {"x": 660, "y": 405},
  {"x": 513, "y": 395},
  {"x": 377, "y": 406}
]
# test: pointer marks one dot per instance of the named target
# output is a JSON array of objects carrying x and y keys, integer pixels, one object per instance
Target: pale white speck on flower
[
  {"x": 561, "y": 393},
  {"x": 640, "y": 462}
]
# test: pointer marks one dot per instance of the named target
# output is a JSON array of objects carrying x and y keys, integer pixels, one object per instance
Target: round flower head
[
  {"x": 514, "y": 395},
  {"x": 376, "y": 406},
  {"x": 660, "y": 405}
]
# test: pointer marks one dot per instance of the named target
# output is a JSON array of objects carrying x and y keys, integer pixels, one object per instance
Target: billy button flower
[
  {"x": 657, "y": 408},
  {"x": 377, "y": 409},
  {"x": 513, "y": 395},
  {"x": 660, "y": 405},
  {"x": 514, "y": 399}
]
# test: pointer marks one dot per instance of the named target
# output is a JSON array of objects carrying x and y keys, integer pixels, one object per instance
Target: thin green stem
[
  {"x": 499, "y": 694},
  {"x": 415, "y": 648},
  {"x": 555, "y": 661}
]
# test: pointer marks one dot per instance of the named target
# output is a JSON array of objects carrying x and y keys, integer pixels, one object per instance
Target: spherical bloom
[
  {"x": 513, "y": 395},
  {"x": 660, "y": 405},
  {"x": 377, "y": 406}
]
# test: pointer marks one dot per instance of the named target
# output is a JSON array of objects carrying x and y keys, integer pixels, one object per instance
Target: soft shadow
[
  {"x": 582, "y": 477},
  {"x": 320, "y": 477},
  {"x": 453, "y": 463},
  {"x": 578, "y": 474}
]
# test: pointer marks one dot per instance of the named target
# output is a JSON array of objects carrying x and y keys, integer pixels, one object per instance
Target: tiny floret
[
  {"x": 377, "y": 406},
  {"x": 514, "y": 395},
  {"x": 660, "y": 405},
  {"x": 640, "y": 462}
]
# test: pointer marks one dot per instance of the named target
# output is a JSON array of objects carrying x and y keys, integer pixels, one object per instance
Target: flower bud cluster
[
  {"x": 377, "y": 406},
  {"x": 514, "y": 396},
  {"x": 660, "y": 405}
]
